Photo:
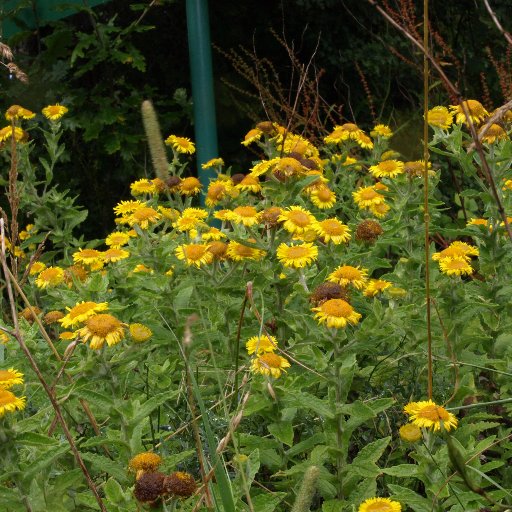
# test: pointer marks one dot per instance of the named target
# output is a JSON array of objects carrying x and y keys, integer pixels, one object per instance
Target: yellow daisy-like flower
[
  {"x": 217, "y": 191},
  {"x": 9, "y": 378},
  {"x": 143, "y": 217},
  {"x": 37, "y": 266},
  {"x": 17, "y": 112},
  {"x": 297, "y": 220},
  {"x": 364, "y": 141},
  {"x": 478, "y": 222},
  {"x": 213, "y": 234},
  {"x": 143, "y": 186},
  {"x": 344, "y": 132},
  {"x": 249, "y": 184},
  {"x": 187, "y": 223},
  {"x": 297, "y": 256},
  {"x": 376, "y": 286},
  {"x": 379, "y": 505},
  {"x": 457, "y": 249},
  {"x": 417, "y": 168},
  {"x": 81, "y": 311},
  {"x": 67, "y": 335},
  {"x": 507, "y": 185},
  {"x": 125, "y": 207},
  {"x": 269, "y": 364},
  {"x": 382, "y": 130},
  {"x": 365, "y": 197},
  {"x": 52, "y": 317},
  {"x": 410, "y": 433},
  {"x": 263, "y": 166},
  {"x": 194, "y": 254},
  {"x": 117, "y": 239},
  {"x": 140, "y": 333},
  {"x": 428, "y": 414},
  {"x": 346, "y": 274},
  {"x": 181, "y": 144},
  {"x": 246, "y": 215},
  {"x": 387, "y": 169},
  {"x": 6, "y": 133},
  {"x": 494, "y": 133},
  {"x": 89, "y": 257},
  {"x": 197, "y": 213},
  {"x": 336, "y": 313},
  {"x": 240, "y": 252},
  {"x": 289, "y": 167},
  {"x": 146, "y": 461},
  {"x": 252, "y": 136},
  {"x": 261, "y": 344},
  {"x": 142, "y": 269},
  {"x": 380, "y": 210},
  {"x": 214, "y": 162},
  {"x": 440, "y": 117},
  {"x": 456, "y": 266},
  {"x": 294, "y": 143},
  {"x": 477, "y": 112},
  {"x": 323, "y": 197},
  {"x": 49, "y": 277},
  {"x": 9, "y": 402},
  {"x": 75, "y": 273},
  {"x": 100, "y": 329},
  {"x": 333, "y": 230},
  {"x": 190, "y": 186},
  {"x": 54, "y": 112},
  {"x": 114, "y": 255},
  {"x": 218, "y": 249}
]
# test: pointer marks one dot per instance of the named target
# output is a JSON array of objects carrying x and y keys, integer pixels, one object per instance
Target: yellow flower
[
  {"x": 365, "y": 197},
  {"x": 239, "y": 252},
  {"x": 249, "y": 184},
  {"x": 494, "y": 133},
  {"x": 297, "y": 220},
  {"x": 218, "y": 249},
  {"x": 9, "y": 378},
  {"x": 297, "y": 256},
  {"x": 387, "y": 169},
  {"x": 117, "y": 239},
  {"x": 379, "y": 210},
  {"x": 440, "y": 117},
  {"x": 477, "y": 112},
  {"x": 364, "y": 141},
  {"x": 376, "y": 286},
  {"x": 100, "y": 329},
  {"x": 194, "y": 254},
  {"x": 114, "y": 255},
  {"x": 140, "y": 333},
  {"x": 143, "y": 217},
  {"x": 125, "y": 207},
  {"x": 181, "y": 144},
  {"x": 142, "y": 269},
  {"x": 52, "y": 317},
  {"x": 333, "y": 230},
  {"x": 456, "y": 266},
  {"x": 6, "y": 133},
  {"x": 190, "y": 186},
  {"x": 143, "y": 186},
  {"x": 346, "y": 274},
  {"x": 37, "y": 266},
  {"x": 51, "y": 276},
  {"x": 246, "y": 215},
  {"x": 263, "y": 166},
  {"x": 456, "y": 249},
  {"x": 336, "y": 313},
  {"x": 90, "y": 257},
  {"x": 507, "y": 185},
  {"x": 269, "y": 364},
  {"x": 214, "y": 162},
  {"x": 146, "y": 461},
  {"x": 382, "y": 130},
  {"x": 17, "y": 112},
  {"x": 478, "y": 222},
  {"x": 344, "y": 132},
  {"x": 261, "y": 344},
  {"x": 217, "y": 190},
  {"x": 54, "y": 112},
  {"x": 289, "y": 167},
  {"x": 252, "y": 136},
  {"x": 410, "y": 433},
  {"x": 417, "y": 168},
  {"x": 323, "y": 197},
  {"x": 67, "y": 335},
  {"x": 429, "y": 415},
  {"x": 213, "y": 234},
  {"x": 75, "y": 273},
  {"x": 81, "y": 311},
  {"x": 379, "y": 505},
  {"x": 9, "y": 402},
  {"x": 186, "y": 223}
]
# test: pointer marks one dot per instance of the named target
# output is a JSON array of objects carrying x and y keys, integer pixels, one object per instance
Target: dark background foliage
[{"x": 101, "y": 63}]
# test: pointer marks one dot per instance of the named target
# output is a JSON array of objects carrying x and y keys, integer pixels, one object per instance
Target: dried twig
[{"x": 506, "y": 34}]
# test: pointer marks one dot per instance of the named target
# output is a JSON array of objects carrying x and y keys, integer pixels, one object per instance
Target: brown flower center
[
  {"x": 102, "y": 325},
  {"x": 337, "y": 307},
  {"x": 434, "y": 413}
]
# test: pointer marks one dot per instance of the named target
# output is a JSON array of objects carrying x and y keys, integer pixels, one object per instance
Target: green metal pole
[{"x": 202, "y": 87}]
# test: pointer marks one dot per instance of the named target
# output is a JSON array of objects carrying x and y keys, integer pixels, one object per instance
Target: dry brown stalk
[
  {"x": 506, "y": 34},
  {"x": 495, "y": 118}
]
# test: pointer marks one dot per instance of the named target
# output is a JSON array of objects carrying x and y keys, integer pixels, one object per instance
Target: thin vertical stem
[{"x": 425, "y": 193}]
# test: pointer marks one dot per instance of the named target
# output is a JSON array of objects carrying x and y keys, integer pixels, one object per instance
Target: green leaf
[
  {"x": 150, "y": 405},
  {"x": 333, "y": 505},
  {"x": 101, "y": 463},
  {"x": 402, "y": 470},
  {"x": 114, "y": 492},
  {"x": 39, "y": 466},
  {"x": 412, "y": 499},
  {"x": 35, "y": 439},
  {"x": 306, "y": 445},
  {"x": 283, "y": 431},
  {"x": 300, "y": 399},
  {"x": 364, "y": 463},
  {"x": 182, "y": 298},
  {"x": 267, "y": 502}
]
